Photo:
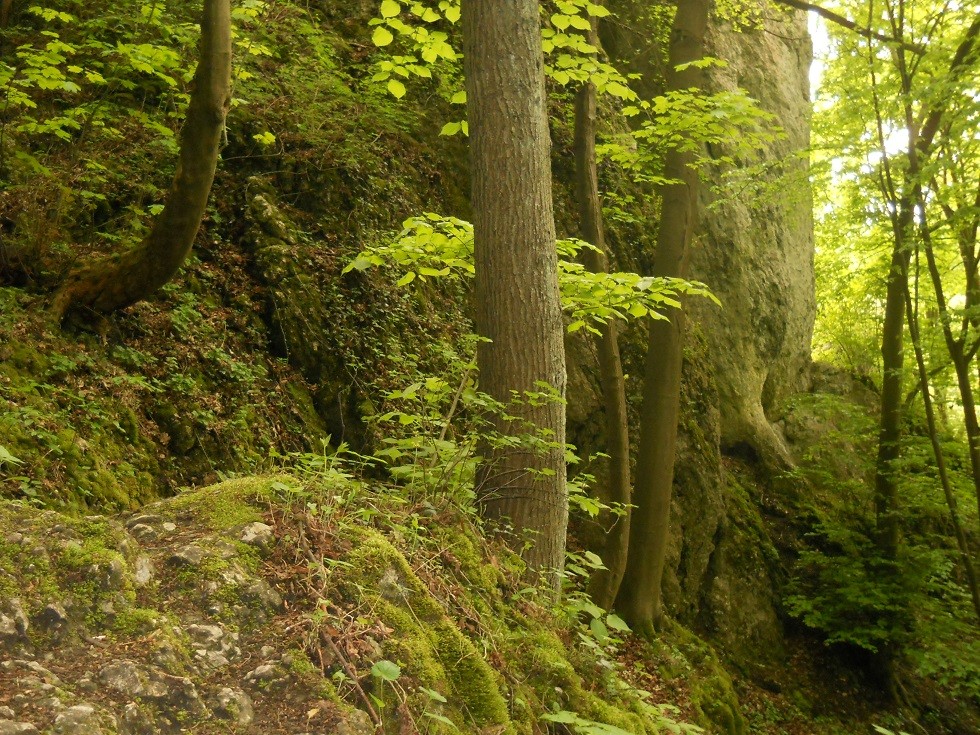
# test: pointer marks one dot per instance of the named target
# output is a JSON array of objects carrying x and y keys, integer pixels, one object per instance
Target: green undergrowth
[
  {"x": 428, "y": 622},
  {"x": 167, "y": 397},
  {"x": 475, "y": 649},
  {"x": 853, "y": 598}
]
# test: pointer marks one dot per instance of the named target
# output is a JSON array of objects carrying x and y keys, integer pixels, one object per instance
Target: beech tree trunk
[
  {"x": 639, "y": 598},
  {"x": 114, "y": 284},
  {"x": 520, "y": 483},
  {"x": 605, "y": 583}
]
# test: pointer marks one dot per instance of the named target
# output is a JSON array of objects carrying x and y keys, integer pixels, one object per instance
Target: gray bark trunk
[{"x": 517, "y": 301}]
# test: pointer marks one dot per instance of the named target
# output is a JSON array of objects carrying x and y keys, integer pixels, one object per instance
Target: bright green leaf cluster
[{"x": 432, "y": 246}]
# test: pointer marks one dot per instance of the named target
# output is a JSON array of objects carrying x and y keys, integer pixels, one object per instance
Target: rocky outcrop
[
  {"x": 293, "y": 605},
  {"x": 160, "y": 622},
  {"x": 755, "y": 249}
]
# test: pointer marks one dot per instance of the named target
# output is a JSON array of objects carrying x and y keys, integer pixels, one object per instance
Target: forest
[{"x": 505, "y": 367}]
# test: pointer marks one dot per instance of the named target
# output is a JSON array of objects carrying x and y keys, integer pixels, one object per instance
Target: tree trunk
[
  {"x": 639, "y": 598},
  {"x": 957, "y": 353},
  {"x": 604, "y": 583},
  {"x": 114, "y": 284},
  {"x": 5, "y": 8},
  {"x": 516, "y": 286},
  {"x": 892, "y": 353},
  {"x": 961, "y": 542},
  {"x": 890, "y": 427}
]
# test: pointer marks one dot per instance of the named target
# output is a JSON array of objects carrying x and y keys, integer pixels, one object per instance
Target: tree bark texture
[
  {"x": 111, "y": 285},
  {"x": 516, "y": 284},
  {"x": 639, "y": 598},
  {"x": 605, "y": 583}
]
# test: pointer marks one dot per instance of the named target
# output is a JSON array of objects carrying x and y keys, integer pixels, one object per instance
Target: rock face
[
  {"x": 756, "y": 253},
  {"x": 755, "y": 250}
]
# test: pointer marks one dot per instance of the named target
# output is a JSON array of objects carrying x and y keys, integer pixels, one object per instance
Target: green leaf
[
  {"x": 433, "y": 695},
  {"x": 562, "y": 716},
  {"x": 7, "y": 458},
  {"x": 599, "y": 630},
  {"x": 396, "y": 88},
  {"x": 451, "y": 128},
  {"x": 617, "y": 623},
  {"x": 265, "y": 138},
  {"x": 441, "y": 718},
  {"x": 452, "y": 13},
  {"x": 382, "y": 36},
  {"x": 386, "y": 670},
  {"x": 360, "y": 263},
  {"x": 389, "y": 9},
  {"x": 595, "y": 560},
  {"x": 459, "y": 98},
  {"x": 406, "y": 279}
]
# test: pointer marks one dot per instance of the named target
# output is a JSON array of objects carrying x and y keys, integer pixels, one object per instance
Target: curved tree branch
[{"x": 850, "y": 24}]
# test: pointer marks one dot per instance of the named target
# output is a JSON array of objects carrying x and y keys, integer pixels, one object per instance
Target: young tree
[
  {"x": 516, "y": 289},
  {"x": 107, "y": 286},
  {"x": 639, "y": 598},
  {"x": 605, "y": 582}
]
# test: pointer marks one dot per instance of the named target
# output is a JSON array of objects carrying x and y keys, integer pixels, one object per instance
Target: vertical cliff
[
  {"x": 756, "y": 245},
  {"x": 755, "y": 250}
]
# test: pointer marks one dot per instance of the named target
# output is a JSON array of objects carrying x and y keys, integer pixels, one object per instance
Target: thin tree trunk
[
  {"x": 5, "y": 7},
  {"x": 604, "y": 583},
  {"x": 890, "y": 428},
  {"x": 639, "y": 598},
  {"x": 892, "y": 349},
  {"x": 516, "y": 285},
  {"x": 110, "y": 285},
  {"x": 961, "y": 542},
  {"x": 961, "y": 364}
]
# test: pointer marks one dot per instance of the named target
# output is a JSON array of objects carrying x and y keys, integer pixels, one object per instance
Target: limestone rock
[
  {"x": 151, "y": 683},
  {"x": 755, "y": 252},
  {"x": 11, "y": 727},
  {"x": 13, "y": 623},
  {"x": 235, "y": 705},
  {"x": 142, "y": 571},
  {"x": 213, "y": 646},
  {"x": 82, "y": 719},
  {"x": 189, "y": 556},
  {"x": 259, "y": 535},
  {"x": 136, "y": 721},
  {"x": 354, "y": 722}
]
